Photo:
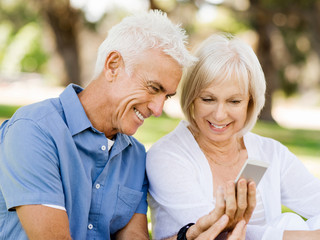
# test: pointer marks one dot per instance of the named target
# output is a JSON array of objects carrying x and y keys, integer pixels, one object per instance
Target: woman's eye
[
  {"x": 235, "y": 101},
  {"x": 207, "y": 99}
]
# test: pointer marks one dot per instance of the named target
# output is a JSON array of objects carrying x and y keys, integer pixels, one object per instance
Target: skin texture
[
  {"x": 41, "y": 222},
  {"x": 297, "y": 235},
  {"x": 110, "y": 102},
  {"x": 237, "y": 212},
  {"x": 220, "y": 112},
  {"x": 211, "y": 225},
  {"x": 135, "y": 229},
  {"x": 224, "y": 105}
]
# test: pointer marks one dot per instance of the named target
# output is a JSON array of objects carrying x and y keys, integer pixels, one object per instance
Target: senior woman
[{"x": 222, "y": 96}]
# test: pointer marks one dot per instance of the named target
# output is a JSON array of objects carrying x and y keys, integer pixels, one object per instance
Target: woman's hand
[
  {"x": 307, "y": 235},
  {"x": 215, "y": 231},
  {"x": 232, "y": 211},
  {"x": 240, "y": 201}
]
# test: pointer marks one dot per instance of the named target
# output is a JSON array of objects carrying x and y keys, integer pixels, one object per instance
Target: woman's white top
[{"x": 181, "y": 188}]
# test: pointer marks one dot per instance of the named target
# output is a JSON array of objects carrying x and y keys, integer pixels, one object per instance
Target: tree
[
  {"x": 276, "y": 23},
  {"x": 64, "y": 21}
]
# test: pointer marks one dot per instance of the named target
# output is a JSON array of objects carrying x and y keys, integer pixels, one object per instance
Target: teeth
[
  {"x": 219, "y": 127},
  {"x": 139, "y": 115}
]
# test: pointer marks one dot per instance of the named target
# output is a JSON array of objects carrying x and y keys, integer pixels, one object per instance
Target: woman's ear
[{"x": 112, "y": 65}]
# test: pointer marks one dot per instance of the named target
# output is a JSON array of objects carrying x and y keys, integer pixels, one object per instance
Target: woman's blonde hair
[{"x": 224, "y": 58}]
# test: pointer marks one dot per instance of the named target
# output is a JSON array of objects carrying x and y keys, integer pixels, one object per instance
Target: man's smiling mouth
[{"x": 139, "y": 115}]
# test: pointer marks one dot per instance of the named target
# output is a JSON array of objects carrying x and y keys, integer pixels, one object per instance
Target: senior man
[{"x": 68, "y": 166}]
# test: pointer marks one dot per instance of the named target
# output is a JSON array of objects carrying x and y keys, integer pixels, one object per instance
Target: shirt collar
[{"x": 76, "y": 117}]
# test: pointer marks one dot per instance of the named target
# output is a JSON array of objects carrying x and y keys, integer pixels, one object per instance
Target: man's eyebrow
[{"x": 162, "y": 89}]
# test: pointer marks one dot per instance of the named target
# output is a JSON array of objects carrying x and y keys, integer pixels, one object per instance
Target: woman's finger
[
  {"x": 242, "y": 203},
  {"x": 215, "y": 229},
  {"x": 251, "y": 200},
  {"x": 239, "y": 232},
  {"x": 220, "y": 206},
  {"x": 231, "y": 204},
  {"x": 205, "y": 222}
]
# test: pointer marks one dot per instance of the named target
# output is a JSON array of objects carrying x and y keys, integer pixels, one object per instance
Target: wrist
[{"x": 182, "y": 234}]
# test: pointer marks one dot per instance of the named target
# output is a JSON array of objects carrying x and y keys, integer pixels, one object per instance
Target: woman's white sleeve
[{"x": 174, "y": 188}]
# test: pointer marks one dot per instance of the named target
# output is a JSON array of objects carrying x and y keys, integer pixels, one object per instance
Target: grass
[
  {"x": 6, "y": 111},
  {"x": 300, "y": 142}
]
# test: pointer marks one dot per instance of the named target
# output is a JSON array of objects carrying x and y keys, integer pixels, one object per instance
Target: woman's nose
[{"x": 220, "y": 113}]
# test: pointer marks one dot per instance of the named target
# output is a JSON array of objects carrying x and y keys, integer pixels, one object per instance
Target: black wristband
[{"x": 183, "y": 232}]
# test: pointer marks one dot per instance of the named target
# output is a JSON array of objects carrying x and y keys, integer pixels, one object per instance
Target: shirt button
[
  {"x": 90, "y": 226},
  {"x": 97, "y": 186},
  {"x": 103, "y": 147}
]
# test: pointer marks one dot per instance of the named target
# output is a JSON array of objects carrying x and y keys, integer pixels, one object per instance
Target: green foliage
[
  {"x": 155, "y": 128},
  {"x": 300, "y": 142},
  {"x": 6, "y": 111},
  {"x": 20, "y": 40},
  {"x": 226, "y": 21},
  {"x": 289, "y": 88}
]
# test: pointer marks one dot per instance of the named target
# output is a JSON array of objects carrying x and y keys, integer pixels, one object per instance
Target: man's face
[{"x": 154, "y": 78}]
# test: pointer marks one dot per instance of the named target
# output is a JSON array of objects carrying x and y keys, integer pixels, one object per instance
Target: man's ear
[{"x": 112, "y": 65}]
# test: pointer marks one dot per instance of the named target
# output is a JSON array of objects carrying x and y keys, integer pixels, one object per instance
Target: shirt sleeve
[
  {"x": 143, "y": 205},
  {"x": 300, "y": 190},
  {"x": 175, "y": 196},
  {"x": 29, "y": 169}
]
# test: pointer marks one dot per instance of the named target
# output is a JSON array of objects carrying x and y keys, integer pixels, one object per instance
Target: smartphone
[{"x": 253, "y": 170}]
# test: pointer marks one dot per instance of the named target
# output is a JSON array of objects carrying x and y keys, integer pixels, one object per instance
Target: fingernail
[
  {"x": 252, "y": 184},
  {"x": 220, "y": 189},
  {"x": 224, "y": 219},
  {"x": 243, "y": 223}
]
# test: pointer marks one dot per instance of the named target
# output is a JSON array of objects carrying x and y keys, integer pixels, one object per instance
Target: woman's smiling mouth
[{"x": 219, "y": 126}]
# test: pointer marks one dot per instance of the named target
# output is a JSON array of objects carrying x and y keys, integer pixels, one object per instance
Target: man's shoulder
[
  {"x": 40, "y": 115},
  {"x": 39, "y": 110},
  {"x": 136, "y": 143}
]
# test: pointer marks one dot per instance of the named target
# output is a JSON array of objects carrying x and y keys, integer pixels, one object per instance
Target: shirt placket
[{"x": 97, "y": 191}]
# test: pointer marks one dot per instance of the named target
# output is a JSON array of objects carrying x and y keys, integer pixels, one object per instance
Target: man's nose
[{"x": 156, "y": 106}]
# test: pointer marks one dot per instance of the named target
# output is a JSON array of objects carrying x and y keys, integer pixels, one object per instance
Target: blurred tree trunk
[
  {"x": 64, "y": 21},
  {"x": 261, "y": 20}
]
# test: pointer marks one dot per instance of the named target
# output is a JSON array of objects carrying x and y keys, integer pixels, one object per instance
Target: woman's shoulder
[
  {"x": 253, "y": 138},
  {"x": 178, "y": 137},
  {"x": 260, "y": 145}
]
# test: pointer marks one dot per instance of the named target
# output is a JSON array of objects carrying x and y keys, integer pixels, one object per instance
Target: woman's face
[{"x": 220, "y": 111}]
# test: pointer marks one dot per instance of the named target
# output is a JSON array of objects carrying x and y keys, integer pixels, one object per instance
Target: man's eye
[{"x": 154, "y": 89}]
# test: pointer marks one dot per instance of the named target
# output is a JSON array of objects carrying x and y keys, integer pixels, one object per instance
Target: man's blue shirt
[{"x": 51, "y": 154}]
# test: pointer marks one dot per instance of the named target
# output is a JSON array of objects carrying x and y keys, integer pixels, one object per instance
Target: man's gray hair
[{"x": 138, "y": 33}]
